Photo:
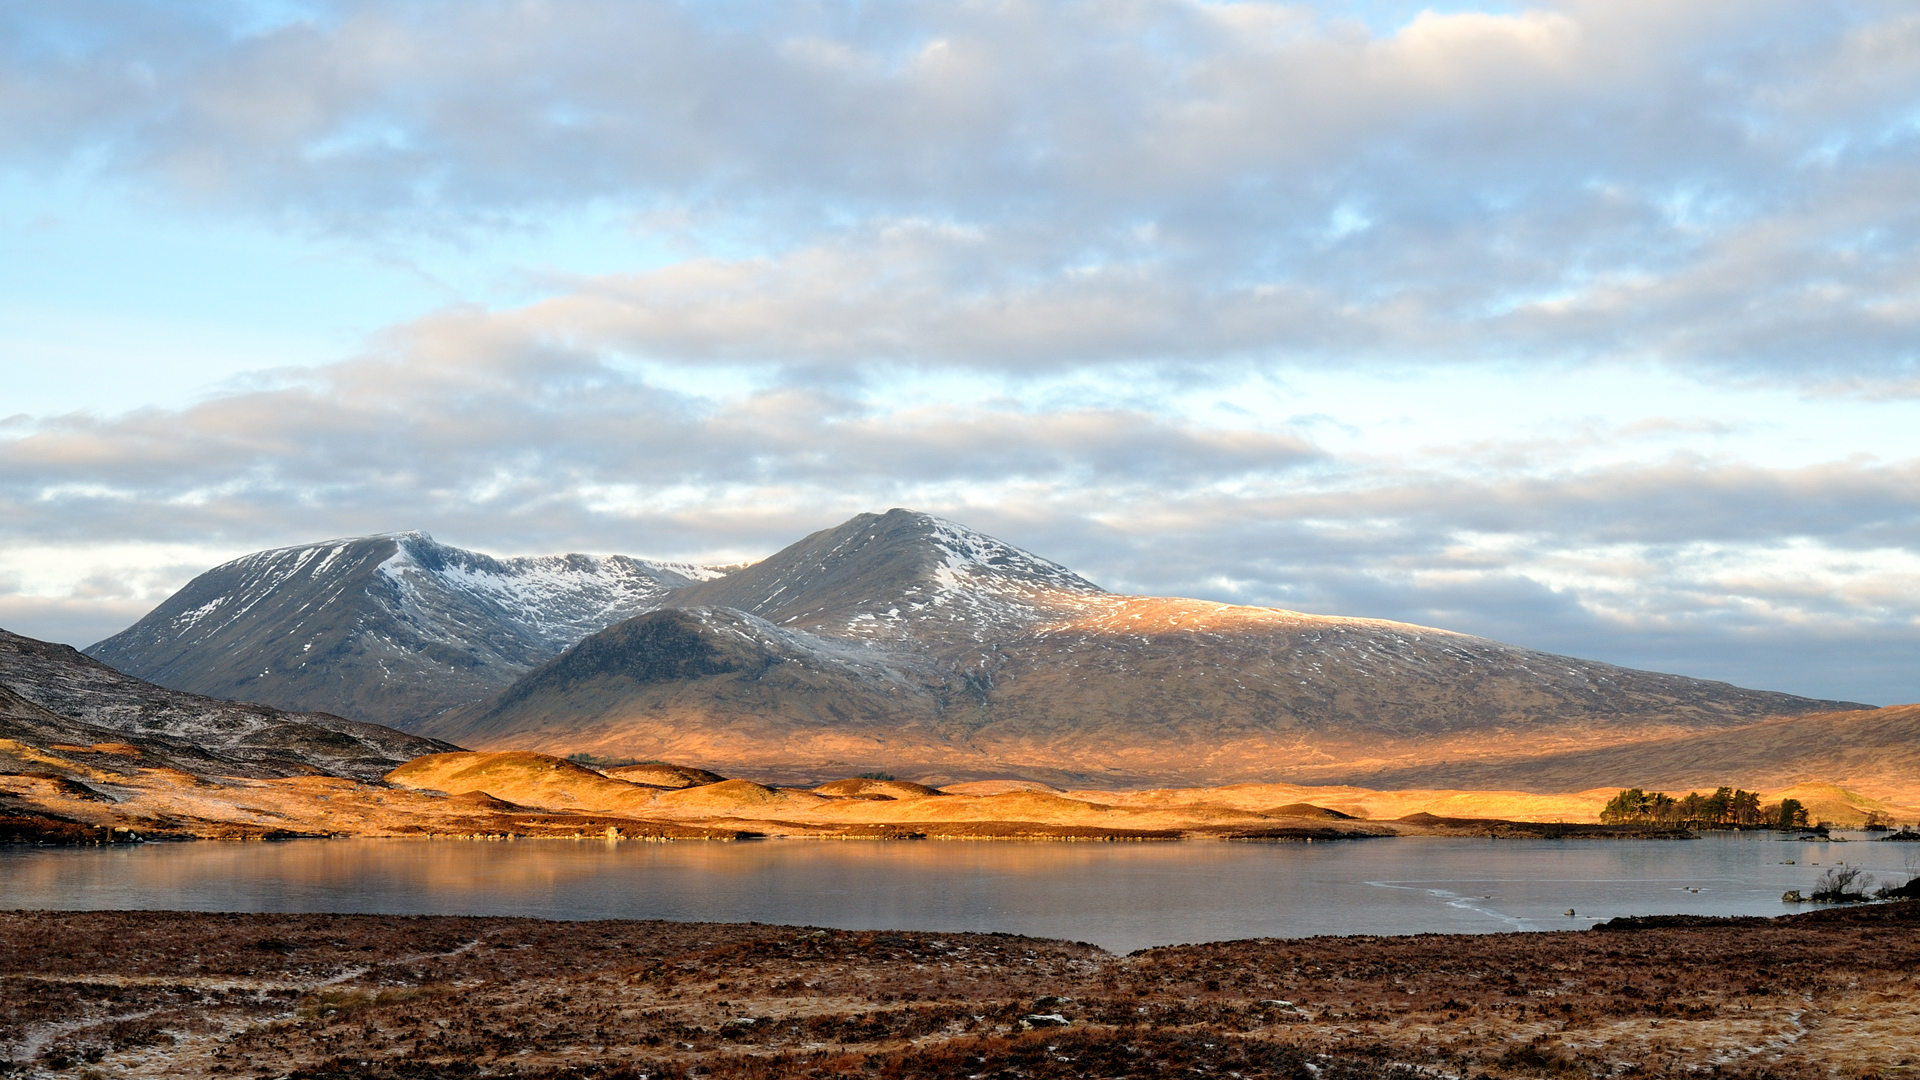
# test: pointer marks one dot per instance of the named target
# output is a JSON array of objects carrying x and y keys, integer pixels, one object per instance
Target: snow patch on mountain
[
  {"x": 980, "y": 587},
  {"x": 972, "y": 560},
  {"x": 558, "y": 599},
  {"x": 393, "y": 626},
  {"x": 851, "y": 657},
  {"x": 694, "y": 571}
]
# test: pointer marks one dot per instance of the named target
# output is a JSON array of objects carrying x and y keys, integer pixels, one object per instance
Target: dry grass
[
  {"x": 660, "y": 774},
  {"x": 528, "y": 794},
  {"x": 191, "y": 995},
  {"x": 526, "y": 778}
]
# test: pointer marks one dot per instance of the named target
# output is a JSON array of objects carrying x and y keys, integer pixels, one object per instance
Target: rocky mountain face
[
  {"x": 392, "y": 628},
  {"x": 905, "y": 642},
  {"x": 56, "y": 704}
]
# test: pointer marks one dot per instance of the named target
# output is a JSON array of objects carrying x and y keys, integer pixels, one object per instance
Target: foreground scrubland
[{"x": 1829, "y": 993}]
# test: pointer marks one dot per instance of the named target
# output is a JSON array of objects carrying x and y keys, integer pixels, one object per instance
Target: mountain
[
  {"x": 390, "y": 628},
  {"x": 1875, "y": 752},
  {"x": 55, "y": 700},
  {"x": 713, "y": 684},
  {"x": 905, "y": 642},
  {"x": 902, "y": 578}
]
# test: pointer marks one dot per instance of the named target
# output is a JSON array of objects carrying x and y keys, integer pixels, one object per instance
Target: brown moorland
[
  {"x": 316, "y": 997},
  {"x": 661, "y": 774},
  {"x": 79, "y": 796}
]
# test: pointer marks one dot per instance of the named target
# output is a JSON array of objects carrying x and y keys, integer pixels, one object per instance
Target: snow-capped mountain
[
  {"x": 897, "y": 640},
  {"x": 391, "y": 628},
  {"x": 906, "y": 642},
  {"x": 902, "y": 577}
]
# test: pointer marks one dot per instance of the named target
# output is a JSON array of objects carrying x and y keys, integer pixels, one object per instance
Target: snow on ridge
[
  {"x": 975, "y": 555},
  {"x": 185, "y": 621},
  {"x": 557, "y": 598},
  {"x": 339, "y": 543},
  {"x": 967, "y": 583},
  {"x": 690, "y": 571}
]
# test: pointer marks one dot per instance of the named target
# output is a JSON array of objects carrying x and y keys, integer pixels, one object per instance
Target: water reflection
[{"x": 1120, "y": 896}]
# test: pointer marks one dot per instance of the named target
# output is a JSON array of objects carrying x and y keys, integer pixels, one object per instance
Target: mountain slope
[
  {"x": 711, "y": 684},
  {"x": 1874, "y": 751},
  {"x": 390, "y": 628},
  {"x": 901, "y": 578},
  {"x": 52, "y": 696},
  {"x": 1226, "y": 690},
  {"x": 907, "y": 642}
]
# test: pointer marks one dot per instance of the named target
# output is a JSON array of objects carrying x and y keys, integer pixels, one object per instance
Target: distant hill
[
  {"x": 54, "y": 701},
  {"x": 905, "y": 642},
  {"x": 390, "y": 628},
  {"x": 1874, "y": 751}
]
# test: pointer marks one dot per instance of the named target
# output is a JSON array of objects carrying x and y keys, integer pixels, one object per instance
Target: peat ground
[{"x": 112, "y": 994}]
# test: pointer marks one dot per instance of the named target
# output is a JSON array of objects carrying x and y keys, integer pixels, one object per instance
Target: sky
[{"x": 1587, "y": 326}]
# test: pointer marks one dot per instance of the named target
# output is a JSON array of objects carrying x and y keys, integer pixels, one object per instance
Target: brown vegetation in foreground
[{"x": 1831, "y": 993}]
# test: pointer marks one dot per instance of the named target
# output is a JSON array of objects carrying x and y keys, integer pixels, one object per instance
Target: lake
[{"x": 1121, "y": 896}]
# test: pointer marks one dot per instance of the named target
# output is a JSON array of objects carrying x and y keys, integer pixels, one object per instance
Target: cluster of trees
[
  {"x": 594, "y": 761},
  {"x": 1726, "y": 808}
]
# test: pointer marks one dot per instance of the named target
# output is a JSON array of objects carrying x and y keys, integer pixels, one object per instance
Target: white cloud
[
  {"x": 1104, "y": 181},
  {"x": 1596, "y": 540}
]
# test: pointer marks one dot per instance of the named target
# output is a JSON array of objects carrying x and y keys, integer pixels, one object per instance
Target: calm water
[{"x": 1119, "y": 896}]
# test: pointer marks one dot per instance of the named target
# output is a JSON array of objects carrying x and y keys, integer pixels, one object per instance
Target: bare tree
[{"x": 1842, "y": 883}]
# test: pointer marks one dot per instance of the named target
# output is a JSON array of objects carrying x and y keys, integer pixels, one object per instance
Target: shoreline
[
  {"x": 20, "y": 832},
  {"x": 1491, "y": 829}
]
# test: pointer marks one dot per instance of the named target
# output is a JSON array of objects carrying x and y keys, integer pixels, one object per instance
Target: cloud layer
[
  {"x": 1053, "y": 270},
  {"x": 1724, "y": 185},
  {"x": 1662, "y": 559}
]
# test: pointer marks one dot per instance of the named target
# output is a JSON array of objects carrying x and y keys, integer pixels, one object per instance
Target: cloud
[
  {"x": 453, "y": 427},
  {"x": 987, "y": 111},
  {"x": 919, "y": 294},
  {"x": 976, "y": 258},
  {"x": 514, "y": 444},
  {"x": 1718, "y": 186}
]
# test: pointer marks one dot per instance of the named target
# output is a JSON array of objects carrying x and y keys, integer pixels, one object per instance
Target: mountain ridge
[
  {"x": 391, "y": 627},
  {"x": 877, "y": 575},
  {"x": 53, "y": 695},
  {"x": 902, "y": 640},
  {"x": 893, "y": 641}
]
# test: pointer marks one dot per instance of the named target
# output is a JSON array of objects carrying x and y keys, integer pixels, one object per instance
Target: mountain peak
[
  {"x": 879, "y": 572},
  {"x": 338, "y": 542},
  {"x": 393, "y": 625}
]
